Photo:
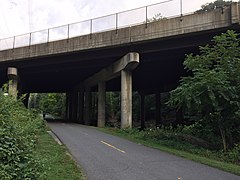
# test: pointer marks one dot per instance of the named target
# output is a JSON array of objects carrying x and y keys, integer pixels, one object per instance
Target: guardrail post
[
  {"x": 91, "y": 28},
  {"x": 48, "y": 36},
  {"x": 30, "y": 39},
  {"x": 181, "y": 9},
  {"x": 116, "y": 23},
  {"x": 13, "y": 42},
  {"x": 146, "y": 16},
  {"x": 68, "y": 30}
]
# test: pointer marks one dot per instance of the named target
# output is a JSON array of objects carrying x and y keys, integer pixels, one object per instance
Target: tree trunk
[{"x": 224, "y": 141}]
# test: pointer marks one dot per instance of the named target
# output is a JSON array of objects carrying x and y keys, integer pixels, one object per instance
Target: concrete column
[
  {"x": 101, "y": 104},
  {"x": 158, "y": 108},
  {"x": 87, "y": 106},
  {"x": 80, "y": 106},
  {"x": 68, "y": 106},
  {"x": 13, "y": 81},
  {"x": 143, "y": 112},
  {"x": 74, "y": 103},
  {"x": 126, "y": 99},
  {"x": 123, "y": 66},
  {"x": 72, "y": 106}
]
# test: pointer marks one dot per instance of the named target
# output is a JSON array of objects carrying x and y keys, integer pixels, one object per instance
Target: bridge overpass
[{"x": 146, "y": 57}]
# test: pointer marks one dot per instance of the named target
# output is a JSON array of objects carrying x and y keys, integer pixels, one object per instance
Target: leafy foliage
[
  {"x": 212, "y": 92},
  {"x": 113, "y": 107},
  {"x": 52, "y": 103},
  {"x": 18, "y": 136},
  {"x": 214, "y": 5},
  {"x": 58, "y": 164},
  {"x": 155, "y": 18},
  {"x": 179, "y": 141}
]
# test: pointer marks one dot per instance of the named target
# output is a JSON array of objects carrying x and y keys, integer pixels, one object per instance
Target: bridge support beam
[
  {"x": 123, "y": 68},
  {"x": 71, "y": 106},
  {"x": 74, "y": 103},
  {"x": 87, "y": 106},
  {"x": 126, "y": 99},
  {"x": 101, "y": 104},
  {"x": 13, "y": 81},
  {"x": 67, "y": 106},
  {"x": 80, "y": 106}
]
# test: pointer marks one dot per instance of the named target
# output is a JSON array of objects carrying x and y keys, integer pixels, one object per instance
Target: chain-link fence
[{"x": 166, "y": 9}]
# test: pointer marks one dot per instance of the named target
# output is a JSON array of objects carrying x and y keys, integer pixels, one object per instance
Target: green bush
[
  {"x": 183, "y": 140},
  {"x": 232, "y": 155},
  {"x": 211, "y": 92},
  {"x": 204, "y": 130},
  {"x": 19, "y": 130}
]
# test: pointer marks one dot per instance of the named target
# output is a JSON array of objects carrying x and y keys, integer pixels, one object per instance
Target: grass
[
  {"x": 58, "y": 164},
  {"x": 176, "y": 150}
]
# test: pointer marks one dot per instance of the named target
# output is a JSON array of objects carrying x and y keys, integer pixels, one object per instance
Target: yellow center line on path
[{"x": 109, "y": 145}]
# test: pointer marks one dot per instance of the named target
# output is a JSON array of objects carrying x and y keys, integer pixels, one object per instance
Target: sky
[{"x": 24, "y": 16}]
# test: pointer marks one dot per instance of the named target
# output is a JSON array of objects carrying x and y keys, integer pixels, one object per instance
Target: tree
[
  {"x": 214, "y": 5},
  {"x": 53, "y": 103},
  {"x": 212, "y": 91},
  {"x": 157, "y": 17}
]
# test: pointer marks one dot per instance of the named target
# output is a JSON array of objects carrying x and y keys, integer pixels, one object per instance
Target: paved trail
[{"x": 106, "y": 157}]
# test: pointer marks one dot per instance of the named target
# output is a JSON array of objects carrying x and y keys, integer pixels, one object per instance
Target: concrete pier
[
  {"x": 80, "y": 108},
  {"x": 101, "y": 104},
  {"x": 13, "y": 81},
  {"x": 87, "y": 106},
  {"x": 126, "y": 99},
  {"x": 123, "y": 67}
]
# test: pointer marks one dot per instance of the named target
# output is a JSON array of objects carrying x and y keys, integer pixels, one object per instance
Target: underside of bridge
[
  {"x": 160, "y": 65},
  {"x": 159, "y": 70}
]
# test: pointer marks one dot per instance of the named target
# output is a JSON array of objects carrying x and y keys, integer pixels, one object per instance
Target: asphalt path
[{"x": 106, "y": 157}]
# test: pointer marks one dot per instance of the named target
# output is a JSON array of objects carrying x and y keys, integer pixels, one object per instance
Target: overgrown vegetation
[
  {"x": 155, "y": 18},
  {"x": 19, "y": 131},
  {"x": 209, "y": 99},
  {"x": 211, "y": 94},
  {"x": 27, "y": 151},
  {"x": 183, "y": 145},
  {"x": 49, "y": 103},
  {"x": 214, "y": 5}
]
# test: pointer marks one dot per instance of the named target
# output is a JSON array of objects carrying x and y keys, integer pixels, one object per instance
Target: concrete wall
[{"x": 196, "y": 22}]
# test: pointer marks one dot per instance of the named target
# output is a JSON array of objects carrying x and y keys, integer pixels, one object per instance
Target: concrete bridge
[{"x": 146, "y": 58}]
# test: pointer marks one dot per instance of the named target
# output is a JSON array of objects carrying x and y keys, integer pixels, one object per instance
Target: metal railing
[{"x": 110, "y": 22}]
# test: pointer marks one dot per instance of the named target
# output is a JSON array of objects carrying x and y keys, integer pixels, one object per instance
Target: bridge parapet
[{"x": 192, "y": 23}]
